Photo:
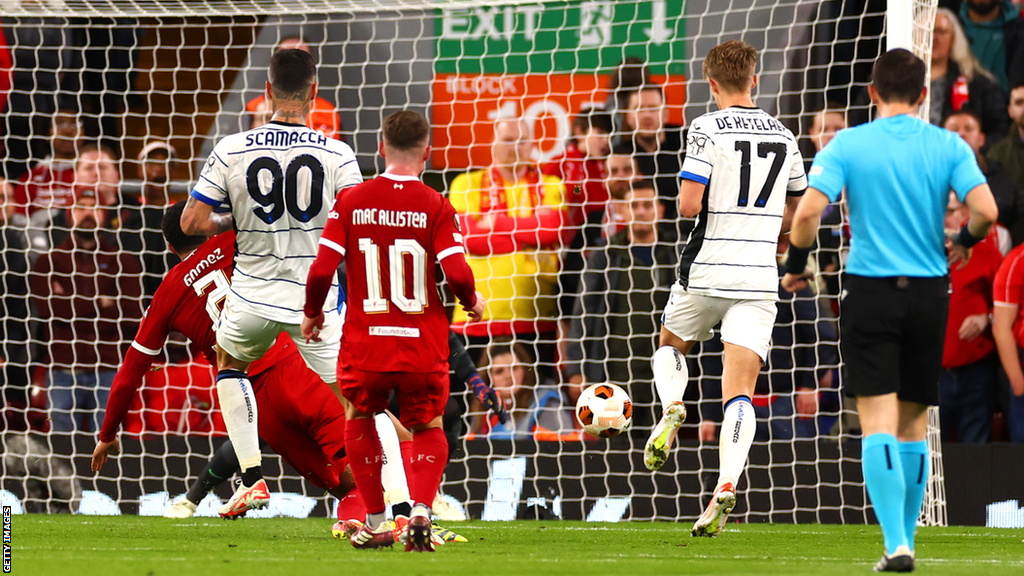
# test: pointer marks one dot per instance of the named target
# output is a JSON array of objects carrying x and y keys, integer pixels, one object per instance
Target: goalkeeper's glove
[{"x": 488, "y": 397}]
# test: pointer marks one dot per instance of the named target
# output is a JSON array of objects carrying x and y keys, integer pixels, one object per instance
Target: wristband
[
  {"x": 796, "y": 261},
  {"x": 966, "y": 239}
]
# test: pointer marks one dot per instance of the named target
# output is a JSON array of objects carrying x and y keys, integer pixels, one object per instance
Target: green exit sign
[{"x": 564, "y": 37}]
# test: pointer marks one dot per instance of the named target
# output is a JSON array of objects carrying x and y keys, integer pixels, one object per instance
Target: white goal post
[{"x": 188, "y": 71}]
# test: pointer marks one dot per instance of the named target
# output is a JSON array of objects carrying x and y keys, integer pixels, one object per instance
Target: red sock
[
  {"x": 406, "y": 448},
  {"x": 429, "y": 457},
  {"x": 366, "y": 460},
  {"x": 351, "y": 506}
]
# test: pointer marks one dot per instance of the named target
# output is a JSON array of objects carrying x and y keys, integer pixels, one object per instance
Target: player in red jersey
[{"x": 392, "y": 230}]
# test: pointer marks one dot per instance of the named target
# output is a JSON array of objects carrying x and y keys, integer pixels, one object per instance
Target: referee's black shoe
[{"x": 901, "y": 561}]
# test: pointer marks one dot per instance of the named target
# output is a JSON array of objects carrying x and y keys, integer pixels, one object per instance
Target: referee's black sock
[{"x": 222, "y": 466}]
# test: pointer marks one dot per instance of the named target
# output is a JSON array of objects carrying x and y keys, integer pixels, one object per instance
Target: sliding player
[
  {"x": 392, "y": 231},
  {"x": 279, "y": 181},
  {"x": 304, "y": 422},
  {"x": 742, "y": 177}
]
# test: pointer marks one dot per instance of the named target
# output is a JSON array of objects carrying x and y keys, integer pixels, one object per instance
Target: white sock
[
  {"x": 670, "y": 375},
  {"x": 735, "y": 438},
  {"x": 238, "y": 407},
  {"x": 392, "y": 474}
]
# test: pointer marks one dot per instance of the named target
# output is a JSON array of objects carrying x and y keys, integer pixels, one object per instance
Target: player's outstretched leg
[
  {"x": 670, "y": 378},
  {"x": 238, "y": 406},
  {"x": 222, "y": 466},
  {"x": 393, "y": 477}
]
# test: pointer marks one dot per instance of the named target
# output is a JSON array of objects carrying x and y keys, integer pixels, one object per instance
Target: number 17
[{"x": 778, "y": 149}]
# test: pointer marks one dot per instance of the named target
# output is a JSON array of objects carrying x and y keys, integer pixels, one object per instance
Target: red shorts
[
  {"x": 421, "y": 396},
  {"x": 302, "y": 420}
]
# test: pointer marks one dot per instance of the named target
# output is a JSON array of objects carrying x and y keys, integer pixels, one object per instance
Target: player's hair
[
  {"x": 596, "y": 118},
  {"x": 292, "y": 72},
  {"x": 899, "y": 76},
  {"x": 175, "y": 236},
  {"x": 644, "y": 184},
  {"x": 406, "y": 130},
  {"x": 732, "y": 64}
]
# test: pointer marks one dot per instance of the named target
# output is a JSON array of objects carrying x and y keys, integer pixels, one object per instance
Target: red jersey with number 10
[{"x": 392, "y": 231}]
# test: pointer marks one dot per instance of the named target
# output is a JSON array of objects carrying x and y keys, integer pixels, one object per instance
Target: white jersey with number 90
[{"x": 279, "y": 182}]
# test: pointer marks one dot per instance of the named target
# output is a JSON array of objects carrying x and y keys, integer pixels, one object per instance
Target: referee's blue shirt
[{"x": 897, "y": 173}]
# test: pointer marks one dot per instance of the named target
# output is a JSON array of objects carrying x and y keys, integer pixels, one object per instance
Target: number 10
[{"x": 375, "y": 301}]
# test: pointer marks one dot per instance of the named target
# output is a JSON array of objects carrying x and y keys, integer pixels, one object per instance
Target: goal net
[{"x": 164, "y": 80}]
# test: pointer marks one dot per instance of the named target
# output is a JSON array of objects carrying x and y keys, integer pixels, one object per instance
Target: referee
[{"x": 897, "y": 172}]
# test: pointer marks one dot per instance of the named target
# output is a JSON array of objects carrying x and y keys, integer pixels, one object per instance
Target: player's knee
[
  {"x": 226, "y": 361},
  {"x": 668, "y": 338}
]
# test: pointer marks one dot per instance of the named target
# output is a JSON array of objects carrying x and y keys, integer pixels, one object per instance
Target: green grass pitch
[{"x": 146, "y": 546}]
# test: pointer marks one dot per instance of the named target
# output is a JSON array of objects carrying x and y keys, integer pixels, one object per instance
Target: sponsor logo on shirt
[{"x": 400, "y": 331}]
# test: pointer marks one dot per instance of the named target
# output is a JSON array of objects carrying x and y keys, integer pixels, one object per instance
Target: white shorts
[
  {"x": 746, "y": 323},
  {"x": 247, "y": 337}
]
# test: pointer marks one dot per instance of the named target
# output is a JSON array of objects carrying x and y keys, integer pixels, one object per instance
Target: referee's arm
[
  {"x": 984, "y": 211},
  {"x": 801, "y": 237}
]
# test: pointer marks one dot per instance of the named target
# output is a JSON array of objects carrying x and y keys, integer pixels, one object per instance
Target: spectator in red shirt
[
  {"x": 621, "y": 173},
  {"x": 1008, "y": 194},
  {"x": 51, "y": 182},
  {"x": 89, "y": 295},
  {"x": 96, "y": 170},
  {"x": 582, "y": 166},
  {"x": 582, "y": 170},
  {"x": 1008, "y": 332},
  {"x": 968, "y": 380}
]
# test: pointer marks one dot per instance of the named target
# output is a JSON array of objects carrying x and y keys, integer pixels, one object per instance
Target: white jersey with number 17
[
  {"x": 750, "y": 163},
  {"x": 279, "y": 181}
]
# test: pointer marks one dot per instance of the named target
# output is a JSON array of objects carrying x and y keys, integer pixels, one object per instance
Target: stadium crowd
[{"x": 575, "y": 258}]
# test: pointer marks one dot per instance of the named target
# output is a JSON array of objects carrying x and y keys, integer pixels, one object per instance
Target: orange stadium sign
[
  {"x": 543, "y": 63},
  {"x": 465, "y": 107}
]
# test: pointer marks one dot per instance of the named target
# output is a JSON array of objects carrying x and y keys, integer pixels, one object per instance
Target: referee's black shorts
[{"x": 892, "y": 332}]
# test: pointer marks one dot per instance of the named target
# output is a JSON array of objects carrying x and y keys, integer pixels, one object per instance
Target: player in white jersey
[
  {"x": 742, "y": 178},
  {"x": 279, "y": 182}
]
